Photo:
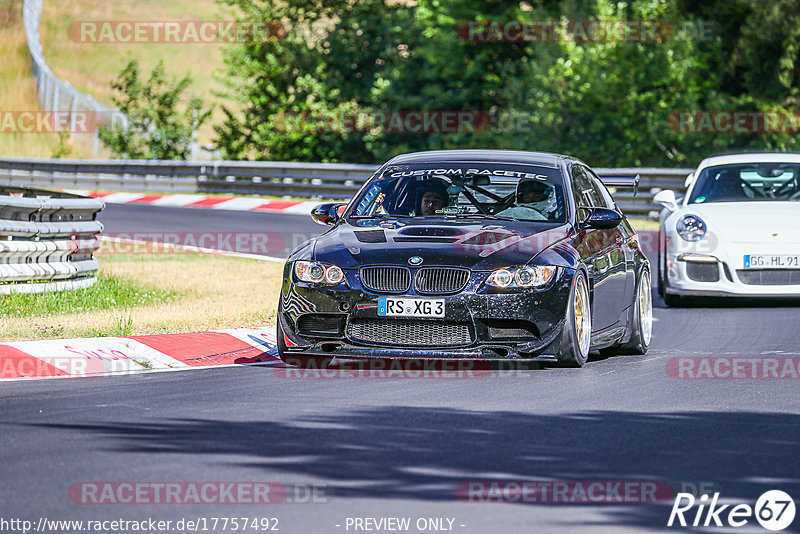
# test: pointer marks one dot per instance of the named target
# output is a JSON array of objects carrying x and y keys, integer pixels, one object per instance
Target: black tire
[
  {"x": 303, "y": 362},
  {"x": 674, "y": 301},
  {"x": 574, "y": 350},
  {"x": 640, "y": 338}
]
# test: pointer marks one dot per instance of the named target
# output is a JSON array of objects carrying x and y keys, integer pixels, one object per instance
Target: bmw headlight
[
  {"x": 318, "y": 273},
  {"x": 691, "y": 228},
  {"x": 521, "y": 277}
]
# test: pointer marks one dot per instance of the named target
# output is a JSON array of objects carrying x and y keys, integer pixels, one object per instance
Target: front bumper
[
  {"x": 512, "y": 325},
  {"x": 721, "y": 272}
]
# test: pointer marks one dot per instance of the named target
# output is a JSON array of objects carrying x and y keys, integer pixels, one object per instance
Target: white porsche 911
[{"x": 736, "y": 231}]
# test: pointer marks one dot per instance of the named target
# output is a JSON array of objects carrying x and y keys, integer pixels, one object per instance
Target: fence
[
  {"x": 47, "y": 240},
  {"x": 307, "y": 180},
  {"x": 55, "y": 94}
]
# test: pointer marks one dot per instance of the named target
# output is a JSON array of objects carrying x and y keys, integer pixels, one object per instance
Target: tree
[
  {"x": 160, "y": 125},
  {"x": 610, "y": 102},
  {"x": 352, "y": 59}
]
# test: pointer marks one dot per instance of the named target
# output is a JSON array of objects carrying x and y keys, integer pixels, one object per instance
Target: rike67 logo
[{"x": 774, "y": 510}]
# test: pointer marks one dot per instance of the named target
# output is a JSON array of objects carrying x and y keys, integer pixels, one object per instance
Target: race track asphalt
[{"x": 401, "y": 447}]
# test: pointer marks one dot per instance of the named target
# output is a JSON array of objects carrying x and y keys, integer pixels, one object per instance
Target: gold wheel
[{"x": 583, "y": 317}]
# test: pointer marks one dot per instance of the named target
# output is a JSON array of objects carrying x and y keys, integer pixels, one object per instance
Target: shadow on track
[
  {"x": 727, "y": 302},
  {"x": 732, "y": 302},
  {"x": 425, "y": 453}
]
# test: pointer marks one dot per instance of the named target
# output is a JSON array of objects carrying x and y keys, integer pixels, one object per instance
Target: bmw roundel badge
[{"x": 415, "y": 260}]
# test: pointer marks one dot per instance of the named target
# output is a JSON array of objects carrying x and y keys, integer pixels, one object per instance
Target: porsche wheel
[
  {"x": 669, "y": 299},
  {"x": 642, "y": 320},
  {"x": 577, "y": 334}
]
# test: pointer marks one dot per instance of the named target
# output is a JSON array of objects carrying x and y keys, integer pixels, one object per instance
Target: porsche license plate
[
  {"x": 771, "y": 261},
  {"x": 410, "y": 307}
]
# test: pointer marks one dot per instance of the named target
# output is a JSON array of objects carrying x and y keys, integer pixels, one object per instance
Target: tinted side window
[
  {"x": 585, "y": 194},
  {"x": 600, "y": 190}
]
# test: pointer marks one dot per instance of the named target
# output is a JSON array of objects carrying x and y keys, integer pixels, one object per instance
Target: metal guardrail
[
  {"x": 55, "y": 94},
  {"x": 652, "y": 180},
  {"x": 47, "y": 240},
  {"x": 310, "y": 180}
]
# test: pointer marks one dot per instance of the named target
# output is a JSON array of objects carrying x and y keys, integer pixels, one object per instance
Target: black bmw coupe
[{"x": 475, "y": 254}]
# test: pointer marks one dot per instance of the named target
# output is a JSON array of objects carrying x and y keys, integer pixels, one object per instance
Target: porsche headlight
[
  {"x": 691, "y": 228},
  {"x": 318, "y": 273},
  {"x": 521, "y": 277}
]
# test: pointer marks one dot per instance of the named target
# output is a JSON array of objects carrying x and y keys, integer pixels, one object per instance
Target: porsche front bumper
[{"x": 723, "y": 272}]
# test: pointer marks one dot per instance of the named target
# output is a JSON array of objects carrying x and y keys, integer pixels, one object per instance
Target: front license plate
[
  {"x": 771, "y": 261},
  {"x": 409, "y": 307}
]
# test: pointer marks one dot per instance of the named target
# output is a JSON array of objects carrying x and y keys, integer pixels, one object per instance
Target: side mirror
[
  {"x": 689, "y": 180},
  {"x": 667, "y": 199},
  {"x": 602, "y": 218},
  {"x": 327, "y": 213}
]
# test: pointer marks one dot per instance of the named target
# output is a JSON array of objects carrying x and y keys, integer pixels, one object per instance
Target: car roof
[
  {"x": 493, "y": 156},
  {"x": 752, "y": 157}
]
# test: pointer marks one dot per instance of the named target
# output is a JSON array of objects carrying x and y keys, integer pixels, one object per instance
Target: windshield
[
  {"x": 747, "y": 182},
  {"x": 468, "y": 190}
]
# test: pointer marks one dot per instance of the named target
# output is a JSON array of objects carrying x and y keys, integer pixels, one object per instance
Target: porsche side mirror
[
  {"x": 667, "y": 199},
  {"x": 602, "y": 218},
  {"x": 689, "y": 180},
  {"x": 329, "y": 213}
]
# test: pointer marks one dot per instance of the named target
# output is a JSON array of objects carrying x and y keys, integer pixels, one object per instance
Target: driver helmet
[{"x": 537, "y": 194}]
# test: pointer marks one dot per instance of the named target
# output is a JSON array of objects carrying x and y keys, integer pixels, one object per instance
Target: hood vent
[
  {"x": 414, "y": 239},
  {"x": 370, "y": 236},
  {"x": 431, "y": 231}
]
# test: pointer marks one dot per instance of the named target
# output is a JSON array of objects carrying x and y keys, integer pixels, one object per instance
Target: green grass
[
  {"x": 114, "y": 294},
  {"x": 108, "y": 293},
  {"x": 150, "y": 293},
  {"x": 91, "y": 67},
  {"x": 18, "y": 93},
  {"x": 643, "y": 224}
]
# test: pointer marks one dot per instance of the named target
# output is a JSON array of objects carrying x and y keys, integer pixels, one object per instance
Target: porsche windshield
[
  {"x": 747, "y": 182},
  {"x": 468, "y": 190}
]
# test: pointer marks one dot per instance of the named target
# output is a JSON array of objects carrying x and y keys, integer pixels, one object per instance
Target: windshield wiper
[
  {"x": 381, "y": 217},
  {"x": 482, "y": 216}
]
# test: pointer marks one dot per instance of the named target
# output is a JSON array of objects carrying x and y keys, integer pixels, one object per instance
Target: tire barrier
[{"x": 47, "y": 240}]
